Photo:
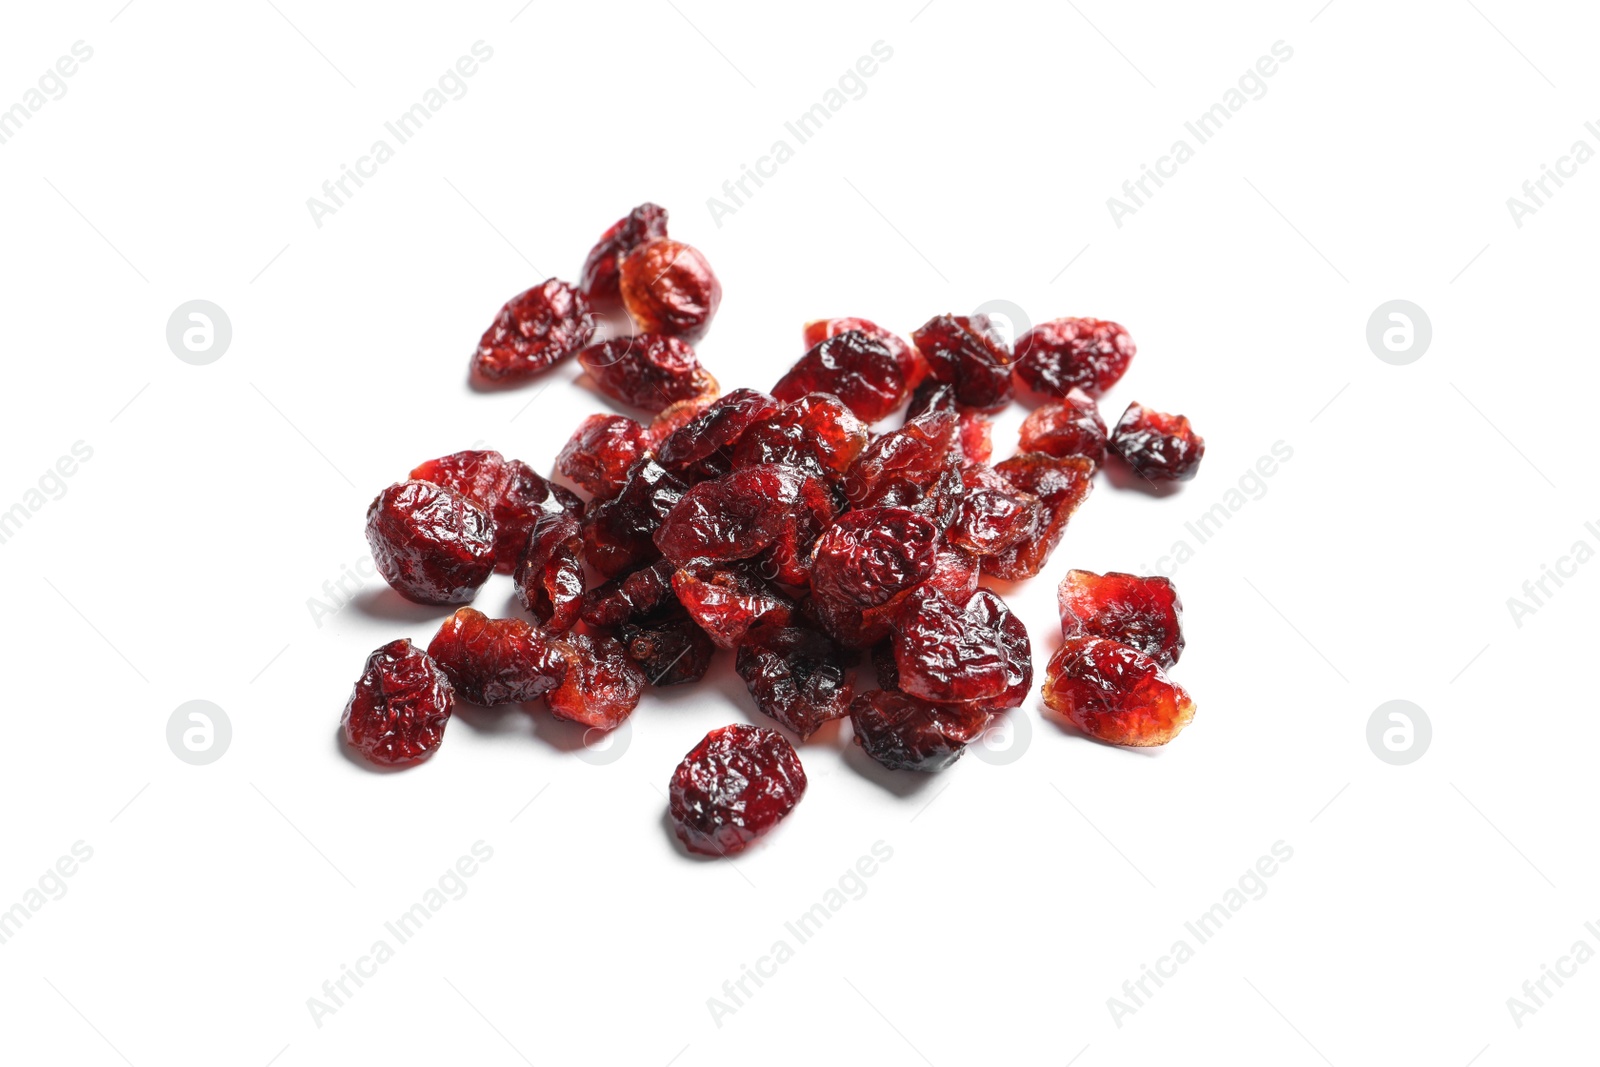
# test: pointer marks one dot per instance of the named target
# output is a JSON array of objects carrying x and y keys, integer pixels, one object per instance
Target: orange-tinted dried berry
[
  {"x": 1143, "y": 612},
  {"x": 1072, "y": 427},
  {"x": 1116, "y": 693},
  {"x": 668, "y": 287},
  {"x": 601, "y": 687}
]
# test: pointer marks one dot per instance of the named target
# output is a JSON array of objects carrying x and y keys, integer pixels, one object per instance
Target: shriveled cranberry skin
[
  {"x": 741, "y": 514},
  {"x": 727, "y": 604},
  {"x": 966, "y": 352},
  {"x": 601, "y": 687},
  {"x": 513, "y": 493},
  {"x": 533, "y": 332},
  {"x": 649, "y": 370},
  {"x": 734, "y": 786},
  {"x": 703, "y": 446},
  {"x": 496, "y": 661},
  {"x": 944, "y": 653},
  {"x": 1060, "y": 484},
  {"x": 955, "y": 573},
  {"x": 631, "y": 596},
  {"x": 1116, "y": 693},
  {"x": 619, "y": 534},
  {"x": 992, "y": 613},
  {"x": 993, "y": 515},
  {"x": 668, "y": 287},
  {"x": 854, "y": 366},
  {"x": 676, "y": 416},
  {"x": 1070, "y": 427},
  {"x": 816, "y": 433},
  {"x": 905, "y": 733},
  {"x": 913, "y": 368},
  {"x": 871, "y": 555},
  {"x": 478, "y": 475},
  {"x": 670, "y": 648},
  {"x": 601, "y": 276},
  {"x": 912, "y": 456},
  {"x": 976, "y": 437},
  {"x": 550, "y": 582},
  {"x": 432, "y": 545},
  {"x": 1159, "y": 446},
  {"x": 600, "y": 452},
  {"x": 399, "y": 707},
  {"x": 797, "y": 676},
  {"x": 1143, "y": 612},
  {"x": 1089, "y": 354}
]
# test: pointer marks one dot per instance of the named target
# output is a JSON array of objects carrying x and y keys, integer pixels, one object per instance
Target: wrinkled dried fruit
[
  {"x": 496, "y": 661},
  {"x": 977, "y": 444},
  {"x": 601, "y": 273},
  {"x": 675, "y": 417},
  {"x": 668, "y": 287},
  {"x": 649, "y": 370},
  {"x": 903, "y": 462},
  {"x": 734, "y": 786},
  {"x": 1115, "y": 692},
  {"x": 955, "y": 573},
  {"x": 630, "y": 597},
  {"x": 511, "y": 491},
  {"x": 871, "y": 555},
  {"x": 968, "y": 353},
  {"x": 1143, "y": 612},
  {"x": 1089, "y": 354},
  {"x": 992, "y": 613},
  {"x": 913, "y": 368},
  {"x": 619, "y": 534},
  {"x": 534, "y": 331},
  {"x": 816, "y": 433},
  {"x": 854, "y": 366},
  {"x": 601, "y": 687},
  {"x": 797, "y": 676},
  {"x": 399, "y": 706},
  {"x": 433, "y": 545},
  {"x": 946, "y": 652},
  {"x": 703, "y": 446},
  {"x": 1072, "y": 427},
  {"x": 741, "y": 514},
  {"x": 993, "y": 514},
  {"x": 550, "y": 582},
  {"x": 726, "y": 603},
  {"x": 1161, "y": 447},
  {"x": 600, "y": 452},
  {"x": 670, "y": 649},
  {"x": 907, "y": 734},
  {"x": 1060, "y": 484}
]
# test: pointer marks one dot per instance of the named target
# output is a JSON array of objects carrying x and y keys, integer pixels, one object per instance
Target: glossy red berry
[
  {"x": 533, "y": 332},
  {"x": 550, "y": 582},
  {"x": 1143, "y": 612},
  {"x": 968, "y": 353},
  {"x": 601, "y": 687},
  {"x": 650, "y": 371},
  {"x": 600, "y": 452},
  {"x": 1060, "y": 484},
  {"x": 1089, "y": 354},
  {"x": 734, "y": 786},
  {"x": 1070, "y": 427},
  {"x": 601, "y": 275},
  {"x": 399, "y": 707},
  {"x": 854, "y": 366},
  {"x": 496, "y": 661},
  {"x": 1160, "y": 447},
  {"x": 905, "y": 733},
  {"x": 434, "y": 546},
  {"x": 668, "y": 287},
  {"x": 1116, "y": 693},
  {"x": 797, "y": 676},
  {"x": 912, "y": 366},
  {"x": 510, "y": 490}
]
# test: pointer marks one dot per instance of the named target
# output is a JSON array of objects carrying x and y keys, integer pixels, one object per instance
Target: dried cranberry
[
  {"x": 649, "y": 370},
  {"x": 741, "y": 514},
  {"x": 816, "y": 433},
  {"x": 632, "y": 596},
  {"x": 550, "y": 581},
  {"x": 1089, "y": 354},
  {"x": 668, "y": 287},
  {"x": 955, "y": 573},
  {"x": 946, "y": 652},
  {"x": 870, "y": 556},
  {"x": 1116, "y": 693},
  {"x": 977, "y": 442},
  {"x": 1161, "y": 447},
  {"x": 702, "y": 447},
  {"x": 1060, "y": 484},
  {"x": 510, "y": 490},
  {"x": 912, "y": 456},
  {"x": 399, "y": 706},
  {"x": 1143, "y": 612},
  {"x": 496, "y": 661},
  {"x": 907, "y": 734},
  {"x": 534, "y": 331},
  {"x": 968, "y": 353},
  {"x": 601, "y": 687},
  {"x": 434, "y": 546},
  {"x": 675, "y": 417},
  {"x": 856, "y": 367},
  {"x": 601, "y": 275},
  {"x": 734, "y": 786},
  {"x": 992, "y": 613},
  {"x": 993, "y": 515},
  {"x": 912, "y": 366},
  {"x": 599, "y": 454},
  {"x": 669, "y": 648},
  {"x": 1072, "y": 427},
  {"x": 727, "y": 603},
  {"x": 619, "y": 534},
  {"x": 797, "y": 676}
]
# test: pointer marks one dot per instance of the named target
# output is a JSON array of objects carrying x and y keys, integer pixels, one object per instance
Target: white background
[{"x": 1020, "y": 896}]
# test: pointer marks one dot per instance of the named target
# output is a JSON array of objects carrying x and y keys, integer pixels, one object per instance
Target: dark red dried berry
[
  {"x": 955, "y": 573},
  {"x": 1072, "y": 427},
  {"x": 433, "y": 545},
  {"x": 1116, "y": 693},
  {"x": 1161, "y": 447},
  {"x": 601, "y": 687},
  {"x": 913, "y": 368},
  {"x": 816, "y": 433},
  {"x": 601, "y": 275},
  {"x": 703, "y": 446},
  {"x": 977, "y": 444},
  {"x": 670, "y": 649},
  {"x": 871, "y": 556},
  {"x": 740, "y": 515},
  {"x": 732, "y": 787},
  {"x": 1089, "y": 354},
  {"x": 496, "y": 661},
  {"x": 619, "y": 534},
  {"x": 534, "y": 331},
  {"x": 1143, "y": 612},
  {"x": 675, "y": 417},
  {"x": 992, "y": 613},
  {"x": 854, "y": 366},
  {"x": 1060, "y": 484},
  {"x": 630, "y": 597},
  {"x": 726, "y": 603},
  {"x": 600, "y": 452},
  {"x": 399, "y": 706},
  {"x": 797, "y": 676},
  {"x": 510, "y": 490},
  {"x": 946, "y": 652},
  {"x": 550, "y": 582},
  {"x": 907, "y": 734},
  {"x": 668, "y": 287},
  {"x": 912, "y": 457},
  {"x": 649, "y": 370},
  {"x": 993, "y": 515},
  {"x": 968, "y": 353}
]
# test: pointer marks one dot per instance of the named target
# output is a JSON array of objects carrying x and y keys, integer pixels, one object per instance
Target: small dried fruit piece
[
  {"x": 601, "y": 687},
  {"x": 399, "y": 706},
  {"x": 989, "y": 611},
  {"x": 870, "y": 556},
  {"x": 703, "y": 446},
  {"x": 1143, "y": 612},
  {"x": 856, "y": 367},
  {"x": 675, "y": 417},
  {"x": 649, "y": 370},
  {"x": 618, "y": 534},
  {"x": 993, "y": 515},
  {"x": 944, "y": 652},
  {"x": 797, "y": 676},
  {"x": 1116, "y": 693},
  {"x": 977, "y": 442},
  {"x": 601, "y": 275},
  {"x": 1061, "y": 484},
  {"x": 1089, "y": 354},
  {"x": 600, "y": 452},
  {"x": 816, "y": 433},
  {"x": 913, "y": 368},
  {"x": 1072, "y": 427},
  {"x": 550, "y": 582},
  {"x": 668, "y": 287},
  {"x": 740, "y": 515},
  {"x": 534, "y": 331},
  {"x": 496, "y": 661},
  {"x": 907, "y": 734},
  {"x": 511, "y": 491},
  {"x": 966, "y": 352},
  {"x": 1161, "y": 447},
  {"x": 904, "y": 462},
  {"x": 669, "y": 648},
  {"x": 732, "y": 787},
  {"x": 632, "y": 596},
  {"x": 433, "y": 545},
  {"x": 726, "y": 603}
]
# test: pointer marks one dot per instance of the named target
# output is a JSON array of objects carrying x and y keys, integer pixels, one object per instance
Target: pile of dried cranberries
[{"x": 780, "y": 526}]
